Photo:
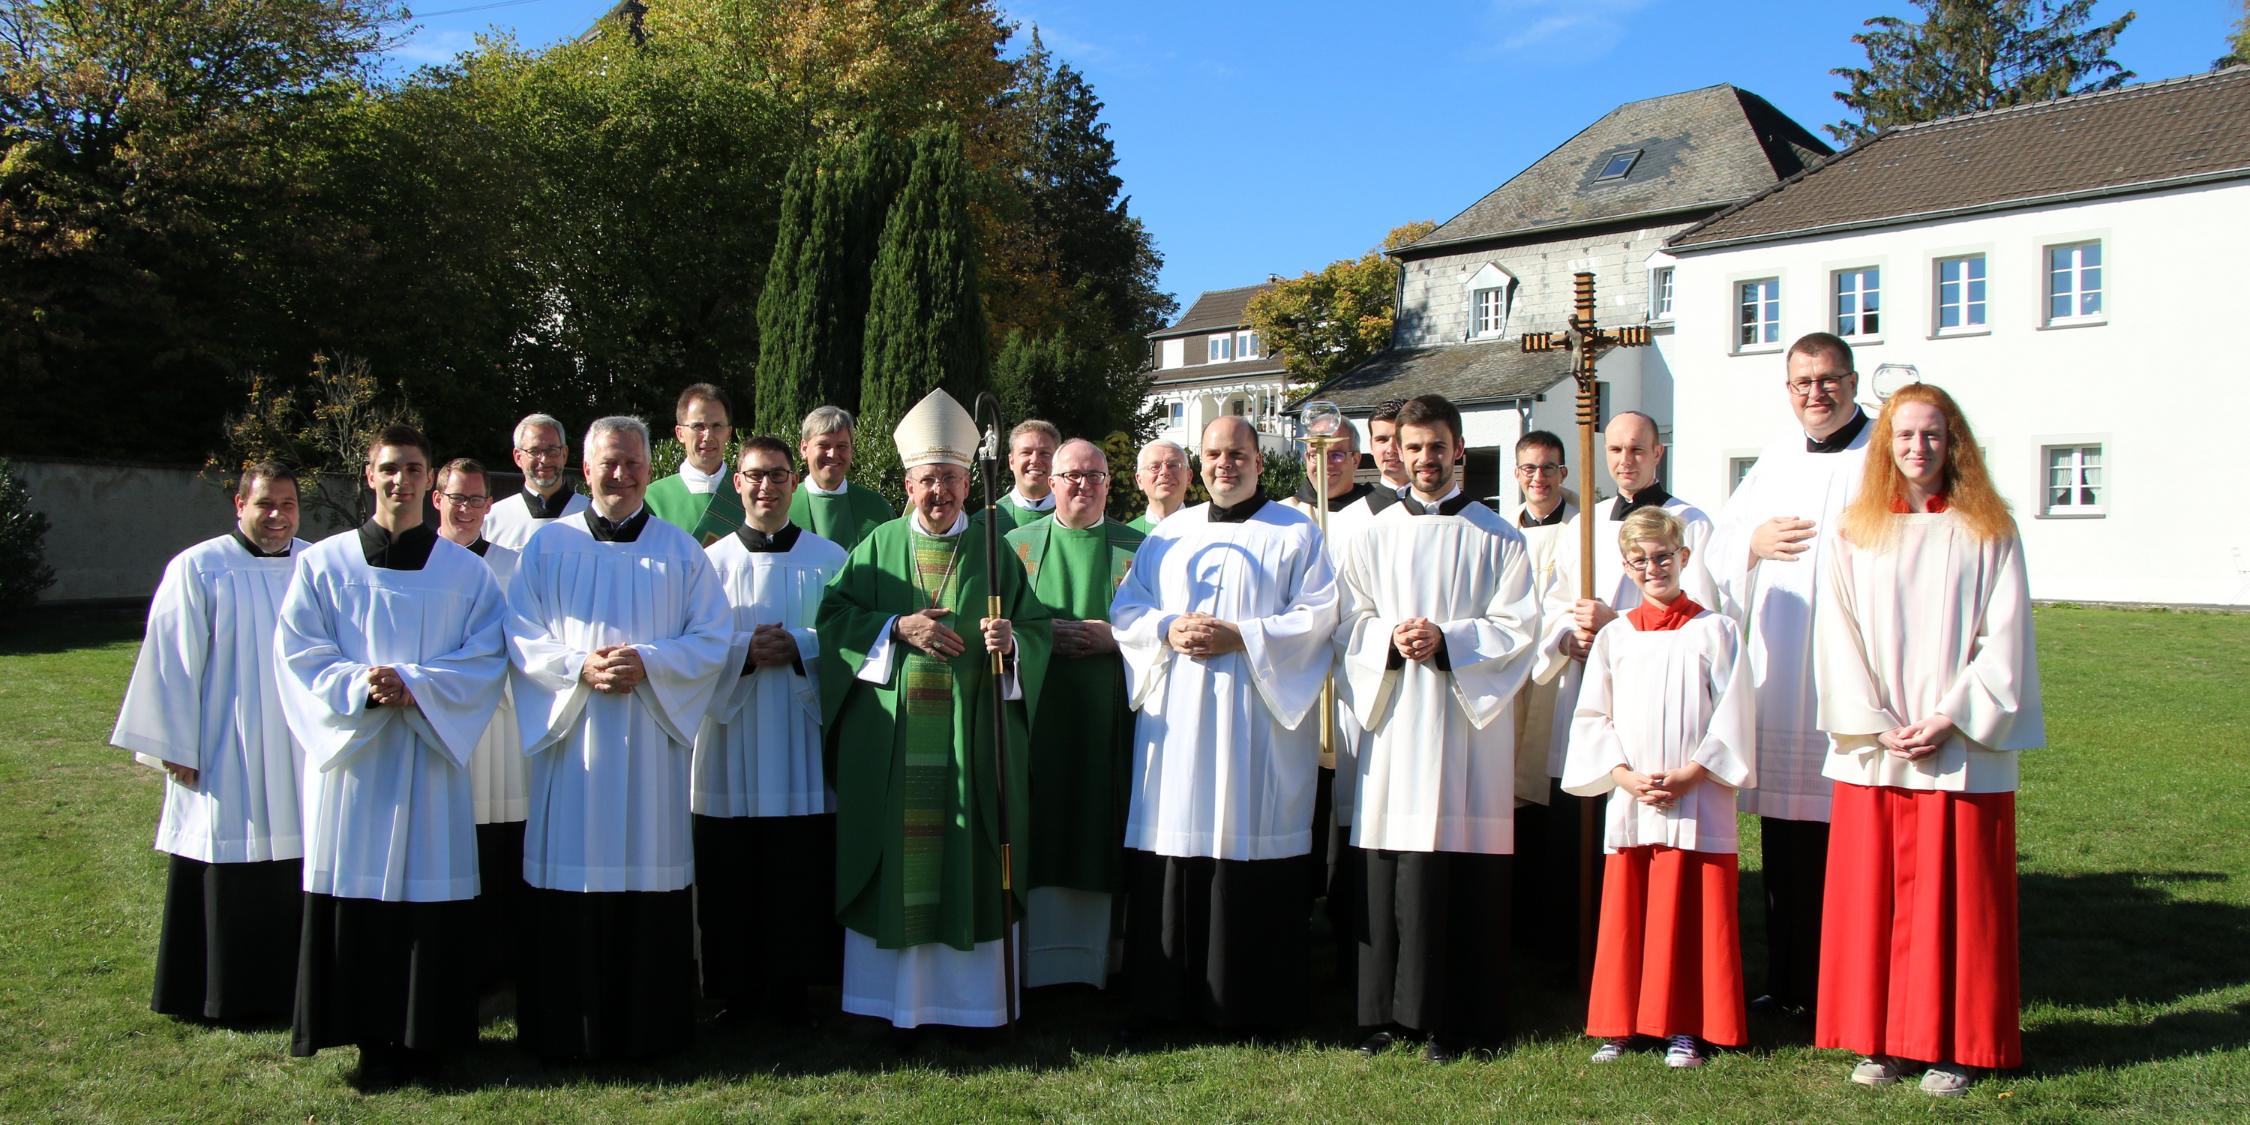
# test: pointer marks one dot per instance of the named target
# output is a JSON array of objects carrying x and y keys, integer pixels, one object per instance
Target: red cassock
[
  {"x": 1669, "y": 960},
  {"x": 1918, "y": 934}
]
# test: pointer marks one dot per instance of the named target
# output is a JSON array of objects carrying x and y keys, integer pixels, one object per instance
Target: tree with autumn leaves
[{"x": 1328, "y": 321}]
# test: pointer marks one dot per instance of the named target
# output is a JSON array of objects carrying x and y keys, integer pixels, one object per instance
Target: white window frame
[
  {"x": 1769, "y": 330},
  {"x": 1660, "y": 293},
  {"x": 1220, "y": 348},
  {"x": 2075, "y": 447},
  {"x": 1738, "y": 468},
  {"x": 1246, "y": 345},
  {"x": 1488, "y": 278},
  {"x": 1178, "y": 412},
  {"x": 2078, "y": 290},
  {"x": 1981, "y": 307},
  {"x": 1863, "y": 323},
  {"x": 1489, "y": 310}
]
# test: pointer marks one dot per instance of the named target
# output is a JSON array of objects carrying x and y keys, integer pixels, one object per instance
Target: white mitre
[{"x": 936, "y": 431}]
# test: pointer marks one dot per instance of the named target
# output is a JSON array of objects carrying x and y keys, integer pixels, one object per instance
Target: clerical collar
[
  {"x": 408, "y": 550},
  {"x": 1152, "y": 518},
  {"x": 1337, "y": 502},
  {"x": 1448, "y": 505},
  {"x": 1841, "y": 440},
  {"x": 542, "y": 508},
  {"x": 839, "y": 490},
  {"x": 1556, "y": 518},
  {"x": 1043, "y": 504},
  {"x": 479, "y": 547},
  {"x": 1653, "y": 496},
  {"x": 700, "y": 482},
  {"x": 1240, "y": 513},
  {"x": 622, "y": 531},
  {"x": 256, "y": 551},
  {"x": 758, "y": 542},
  {"x": 1649, "y": 617},
  {"x": 960, "y": 521}
]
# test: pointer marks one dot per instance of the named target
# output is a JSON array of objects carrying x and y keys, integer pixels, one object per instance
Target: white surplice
[
  {"x": 499, "y": 777},
  {"x": 1774, "y": 602},
  {"x": 387, "y": 795},
  {"x": 757, "y": 752},
  {"x": 1614, "y": 586},
  {"x": 1535, "y": 707},
  {"x": 509, "y": 523},
  {"x": 1936, "y": 622},
  {"x": 204, "y": 696},
  {"x": 1223, "y": 759},
  {"x": 1437, "y": 772},
  {"x": 1658, "y": 701},
  {"x": 609, "y": 772}
]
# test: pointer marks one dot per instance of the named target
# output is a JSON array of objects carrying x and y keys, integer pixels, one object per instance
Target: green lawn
[{"x": 2136, "y": 955}]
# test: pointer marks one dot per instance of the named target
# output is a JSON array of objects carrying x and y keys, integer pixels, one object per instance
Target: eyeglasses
[
  {"x": 538, "y": 451},
  {"x": 756, "y": 477},
  {"x": 1339, "y": 456},
  {"x": 1082, "y": 479},
  {"x": 1543, "y": 469},
  {"x": 938, "y": 480},
  {"x": 466, "y": 500},
  {"x": 1662, "y": 560},
  {"x": 1803, "y": 388},
  {"x": 701, "y": 428},
  {"x": 1155, "y": 468}
]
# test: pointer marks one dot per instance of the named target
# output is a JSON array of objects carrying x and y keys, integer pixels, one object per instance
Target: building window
[
  {"x": 1179, "y": 413},
  {"x": 2074, "y": 485},
  {"x": 1859, "y": 302},
  {"x": 1491, "y": 311},
  {"x": 1246, "y": 345},
  {"x": 1960, "y": 294},
  {"x": 1238, "y": 407},
  {"x": 1619, "y": 165},
  {"x": 1758, "y": 320},
  {"x": 1222, "y": 349},
  {"x": 2074, "y": 283},
  {"x": 1660, "y": 293},
  {"x": 1738, "y": 468}
]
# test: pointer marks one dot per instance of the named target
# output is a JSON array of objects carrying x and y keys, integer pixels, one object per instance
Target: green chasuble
[
  {"x": 844, "y": 518},
  {"x": 1141, "y": 524},
  {"x": 1018, "y": 516},
  {"x": 917, "y": 836},
  {"x": 708, "y": 517},
  {"x": 1081, "y": 744}
]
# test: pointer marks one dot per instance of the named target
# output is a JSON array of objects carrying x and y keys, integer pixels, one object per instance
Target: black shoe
[
  {"x": 1440, "y": 1051},
  {"x": 380, "y": 1068},
  {"x": 1377, "y": 1043}
]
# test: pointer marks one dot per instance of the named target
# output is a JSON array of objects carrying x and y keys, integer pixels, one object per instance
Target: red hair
[{"x": 1967, "y": 487}]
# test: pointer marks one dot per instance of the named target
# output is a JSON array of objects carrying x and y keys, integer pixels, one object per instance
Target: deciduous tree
[{"x": 1324, "y": 323}]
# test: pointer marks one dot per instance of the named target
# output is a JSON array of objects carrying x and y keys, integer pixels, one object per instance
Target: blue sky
[{"x": 1272, "y": 138}]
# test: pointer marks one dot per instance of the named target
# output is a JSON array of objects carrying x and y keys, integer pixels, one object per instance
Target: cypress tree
[
  {"x": 855, "y": 205},
  {"x": 787, "y": 309},
  {"x": 925, "y": 321}
]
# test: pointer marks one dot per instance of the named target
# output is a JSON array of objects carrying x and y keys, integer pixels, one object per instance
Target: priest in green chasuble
[
  {"x": 906, "y": 694},
  {"x": 700, "y": 498},
  {"x": 830, "y": 505},
  {"x": 1080, "y": 744},
  {"x": 1031, "y": 459}
]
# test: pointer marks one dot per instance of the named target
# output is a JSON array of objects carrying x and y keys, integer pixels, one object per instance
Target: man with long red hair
[{"x": 1929, "y": 686}]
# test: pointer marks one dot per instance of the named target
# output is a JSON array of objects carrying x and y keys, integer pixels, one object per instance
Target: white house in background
[
  {"x": 1211, "y": 363},
  {"x": 2070, "y": 271},
  {"x": 1604, "y": 201}
]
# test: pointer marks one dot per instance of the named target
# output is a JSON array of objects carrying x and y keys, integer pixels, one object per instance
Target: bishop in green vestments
[
  {"x": 830, "y": 505},
  {"x": 700, "y": 499},
  {"x": 906, "y": 697},
  {"x": 1080, "y": 744}
]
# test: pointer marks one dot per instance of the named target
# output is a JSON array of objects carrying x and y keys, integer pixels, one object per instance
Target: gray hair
[
  {"x": 543, "y": 421},
  {"x": 826, "y": 420},
  {"x": 1140, "y": 461},
  {"x": 615, "y": 424}
]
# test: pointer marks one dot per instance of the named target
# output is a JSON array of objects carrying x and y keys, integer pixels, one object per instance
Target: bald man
[{"x": 1163, "y": 475}]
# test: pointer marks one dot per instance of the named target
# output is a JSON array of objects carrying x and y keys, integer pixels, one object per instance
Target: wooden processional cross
[{"x": 1589, "y": 341}]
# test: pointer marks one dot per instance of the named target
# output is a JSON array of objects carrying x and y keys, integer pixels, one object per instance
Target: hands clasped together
[
  {"x": 1203, "y": 636},
  {"x": 1417, "y": 638},
  {"x": 1660, "y": 789},
  {"x": 1915, "y": 741},
  {"x": 613, "y": 669}
]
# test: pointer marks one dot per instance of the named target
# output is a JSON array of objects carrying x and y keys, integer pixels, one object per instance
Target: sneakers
[
  {"x": 1947, "y": 1080},
  {"x": 1876, "y": 1071},
  {"x": 1682, "y": 1052},
  {"x": 1611, "y": 1051}
]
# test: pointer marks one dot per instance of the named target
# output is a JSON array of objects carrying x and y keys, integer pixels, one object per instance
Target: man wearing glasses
[
  {"x": 699, "y": 499},
  {"x": 542, "y": 453},
  {"x": 1163, "y": 477},
  {"x": 1765, "y": 556},
  {"x": 1080, "y": 750}
]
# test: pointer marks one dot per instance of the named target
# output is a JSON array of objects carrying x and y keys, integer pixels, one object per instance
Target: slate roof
[
  {"x": 1260, "y": 367},
  {"x": 2140, "y": 138},
  {"x": 1215, "y": 309},
  {"x": 1706, "y": 148},
  {"x": 1468, "y": 374}
]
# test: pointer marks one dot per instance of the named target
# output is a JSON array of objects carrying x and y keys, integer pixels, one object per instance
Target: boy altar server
[
  {"x": 203, "y": 705},
  {"x": 1437, "y": 638},
  {"x": 765, "y": 820},
  {"x": 618, "y": 632},
  {"x": 1663, "y": 727},
  {"x": 391, "y": 662}
]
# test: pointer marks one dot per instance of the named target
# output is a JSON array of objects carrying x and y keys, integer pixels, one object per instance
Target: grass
[{"x": 2136, "y": 955}]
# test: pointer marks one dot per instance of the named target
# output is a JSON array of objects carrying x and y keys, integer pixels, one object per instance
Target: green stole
[
  {"x": 1081, "y": 763},
  {"x": 708, "y": 517},
  {"x": 843, "y": 518},
  {"x": 1018, "y": 516}
]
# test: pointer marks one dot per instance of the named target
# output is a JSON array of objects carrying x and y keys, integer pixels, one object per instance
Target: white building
[
  {"x": 2069, "y": 271},
  {"x": 1211, "y": 363},
  {"x": 1603, "y": 201}
]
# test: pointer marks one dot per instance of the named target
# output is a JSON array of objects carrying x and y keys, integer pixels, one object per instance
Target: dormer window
[
  {"x": 1491, "y": 311},
  {"x": 1618, "y": 165},
  {"x": 1222, "y": 348},
  {"x": 1489, "y": 293}
]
